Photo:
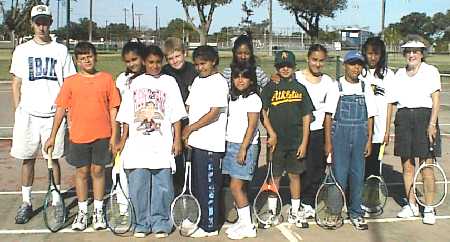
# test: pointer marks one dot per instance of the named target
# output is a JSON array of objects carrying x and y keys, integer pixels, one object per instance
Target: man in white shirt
[{"x": 38, "y": 68}]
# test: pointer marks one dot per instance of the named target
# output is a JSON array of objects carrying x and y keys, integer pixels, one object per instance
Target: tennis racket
[
  {"x": 119, "y": 208},
  {"x": 268, "y": 204},
  {"x": 55, "y": 212},
  {"x": 375, "y": 191},
  {"x": 185, "y": 208},
  {"x": 330, "y": 201},
  {"x": 430, "y": 183}
]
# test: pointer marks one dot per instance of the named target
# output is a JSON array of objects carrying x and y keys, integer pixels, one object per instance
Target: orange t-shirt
[{"x": 89, "y": 100}]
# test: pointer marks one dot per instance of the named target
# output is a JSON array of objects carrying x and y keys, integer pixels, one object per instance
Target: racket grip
[
  {"x": 381, "y": 153},
  {"x": 329, "y": 160},
  {"x": 50, "y": 158},
  {"x": 188, "y": 155}
]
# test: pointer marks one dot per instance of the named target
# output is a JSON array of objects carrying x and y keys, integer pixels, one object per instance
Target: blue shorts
[{"x": 233, "y": 168}]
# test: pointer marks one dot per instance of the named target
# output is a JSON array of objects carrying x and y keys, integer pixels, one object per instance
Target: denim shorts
[{"x": 233, "y": 168}]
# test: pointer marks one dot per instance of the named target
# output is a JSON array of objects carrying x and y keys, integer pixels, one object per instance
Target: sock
[
  {"x": 295, "y": 205},
  {"x": 98, "y": 205},
  {"x": 56, "y": 198},
  {"x": 26, "y": 194},
  {"x": 244, "y": 215},
  {"x": 272, "y": 203},
  {"x": 82, "y": 206}
]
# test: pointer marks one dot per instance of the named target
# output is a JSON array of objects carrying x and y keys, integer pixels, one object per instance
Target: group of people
[{"x": 152, "y": 113}]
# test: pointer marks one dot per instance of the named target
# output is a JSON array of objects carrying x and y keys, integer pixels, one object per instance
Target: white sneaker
[
  {"x": 297, "y": 218},
  {"x": 139, "y": 235},
  {"x": 200, "y": 233},
  {"x": 408, "y": 211},
  {"x": 243, "y": 231},
  {"x": 309, "y": 211},
  {"x": 80, "y": 222},
  {"x": 232, "y": 227},
  {"x": 98, "y": 219},
  {"x": 429, "y": 217},
  {"x": 160, "y": 235}
]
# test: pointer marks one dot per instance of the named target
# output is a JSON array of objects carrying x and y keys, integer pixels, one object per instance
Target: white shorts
[{"x": 30, "y": 134}]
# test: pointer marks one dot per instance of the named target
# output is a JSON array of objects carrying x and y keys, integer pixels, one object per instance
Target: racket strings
[
  {"x": 430, "y": 185},
  {"x": 330, "y": 202},
  {"x": 54, "y": 211},
  {"x": 375, "y": 195},
  {"x": 186, "y": 214},
  {"x": 119, "y": 212}
]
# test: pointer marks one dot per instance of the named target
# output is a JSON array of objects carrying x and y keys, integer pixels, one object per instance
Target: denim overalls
[{"x": 349, "y": 138}]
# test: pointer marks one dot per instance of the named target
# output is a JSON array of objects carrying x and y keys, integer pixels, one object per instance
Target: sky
[{"x": 362, "y": 13}]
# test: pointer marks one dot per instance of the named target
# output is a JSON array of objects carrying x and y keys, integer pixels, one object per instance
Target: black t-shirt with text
[{"x": 287, "y": 103}]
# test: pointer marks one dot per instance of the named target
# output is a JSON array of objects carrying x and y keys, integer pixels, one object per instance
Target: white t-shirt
[
  {"x": 150, "y": 109},
  {"x": 206, "y": 93},
  {"x": 318, "y": 93},
  {"x": 380, "y": 88},
  {"x": 350, "y": 89},
  {"x": 415, "y": 91},
  {"x": 238, "y": 120},
  {"x": 42, "y": 69},
  {"x": 121, "y": 82}
]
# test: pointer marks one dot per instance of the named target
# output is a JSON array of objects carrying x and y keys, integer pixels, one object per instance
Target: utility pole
[
  {"x": 90, "y": 20},
  {"x": 68, "y": 25},
  {"x": 156, "y": 22},
  {"x": 57, "y": 15},
  {"x": 383, "y": 14},
  {"x": 106, "y": 30},
  {"x": 270, "y": 28},
  {"x": 139, "y": 20},
  {"x": 125, "y": 10},
  {"x": 132, "y": 16}
]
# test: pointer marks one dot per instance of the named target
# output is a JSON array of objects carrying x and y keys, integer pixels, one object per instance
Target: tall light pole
[
  {"x": 125, "y": 10},
  {"x": 90, "y": 20},
  {"x": 383, "y": 14},
  {"x": 139, "y": 20},
  {"x": 270, "y": 28},
  {"x": 68, "y": 24}
]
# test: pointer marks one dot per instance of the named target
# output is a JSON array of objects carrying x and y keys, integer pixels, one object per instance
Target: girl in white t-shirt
[
  {"x": 317, "y": 84},
  {"x": 241, "y": 152},
  {"x": 378, "y": 76},
  {"x": 415, "y": 92},
  {"x": 133, "y": 57}
]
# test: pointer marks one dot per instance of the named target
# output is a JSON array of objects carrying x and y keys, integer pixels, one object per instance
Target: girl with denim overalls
[{"x": 348, "y": 132}]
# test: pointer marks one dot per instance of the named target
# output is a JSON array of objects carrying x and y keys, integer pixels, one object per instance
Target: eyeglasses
[{"x": 412, "y": 51}]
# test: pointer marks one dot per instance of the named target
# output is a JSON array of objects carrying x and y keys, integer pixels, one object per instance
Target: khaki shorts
[{"x": 30, "y": 134}]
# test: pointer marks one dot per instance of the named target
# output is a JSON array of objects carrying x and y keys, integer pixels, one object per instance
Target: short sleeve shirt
[
  {"x": 238, "y": 120},
  {"x": 42, "y": 69},
  {"x": 89, "y": 101},
  {"x": 150, "y": 109},
  {"x": 287, "y": 103},
  {"x": 206, "y": 93},
  {"x": 348, "y": 88},
  {"x": 415, "y": 91}
]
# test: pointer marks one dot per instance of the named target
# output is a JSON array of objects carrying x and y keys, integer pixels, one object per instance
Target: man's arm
[
  {"x": 272, "y": 135},
  {"x": 16, "y": 84}
]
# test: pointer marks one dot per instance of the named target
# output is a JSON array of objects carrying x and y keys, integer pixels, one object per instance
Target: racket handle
[
  {"x": 117, "y": 162},
  {"x": 188, "y": 155},
  {"x": 329, "y": 160},
  {"x": 49, "y": 158},
  {"x": 381, "y": 153}
]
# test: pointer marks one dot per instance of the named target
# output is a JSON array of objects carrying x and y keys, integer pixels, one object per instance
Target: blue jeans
[
  {"x": 151, "y": 192},
  {"x": 349, "y": 138}
]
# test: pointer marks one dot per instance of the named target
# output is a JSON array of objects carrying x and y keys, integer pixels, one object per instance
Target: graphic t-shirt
[
  {"x": 42, "y": 69},
  {"x": 150, "y": 109},
  {"x": 287, "y": 103}
]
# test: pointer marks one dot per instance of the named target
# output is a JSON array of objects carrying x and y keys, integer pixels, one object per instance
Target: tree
[
  {"x": 307, "y": 13},
  {"x": 416, "y": 23},
  {"x": 205, "y": 10},
  {"x": 177, "y": 28}
]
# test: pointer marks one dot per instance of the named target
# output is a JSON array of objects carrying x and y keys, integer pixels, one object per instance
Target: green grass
[{"x": 113, "y": 62}]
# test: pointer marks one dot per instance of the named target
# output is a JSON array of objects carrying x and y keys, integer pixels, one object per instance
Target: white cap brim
[{"x": 413, "y": 44}]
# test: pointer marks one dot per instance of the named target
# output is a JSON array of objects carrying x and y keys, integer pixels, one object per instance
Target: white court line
[
  {"x": 289, "y": 234},
  {"x": 285, "y": 231}
]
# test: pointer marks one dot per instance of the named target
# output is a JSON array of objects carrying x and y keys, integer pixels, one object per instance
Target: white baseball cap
[
  {"x": 40, "y": 11},
  {"x": 413, "y": 44}
]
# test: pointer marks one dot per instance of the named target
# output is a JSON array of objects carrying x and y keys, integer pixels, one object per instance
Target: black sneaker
[
  {"x": 359, "y": 223},
  {"x": 24, "y": 213}
]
